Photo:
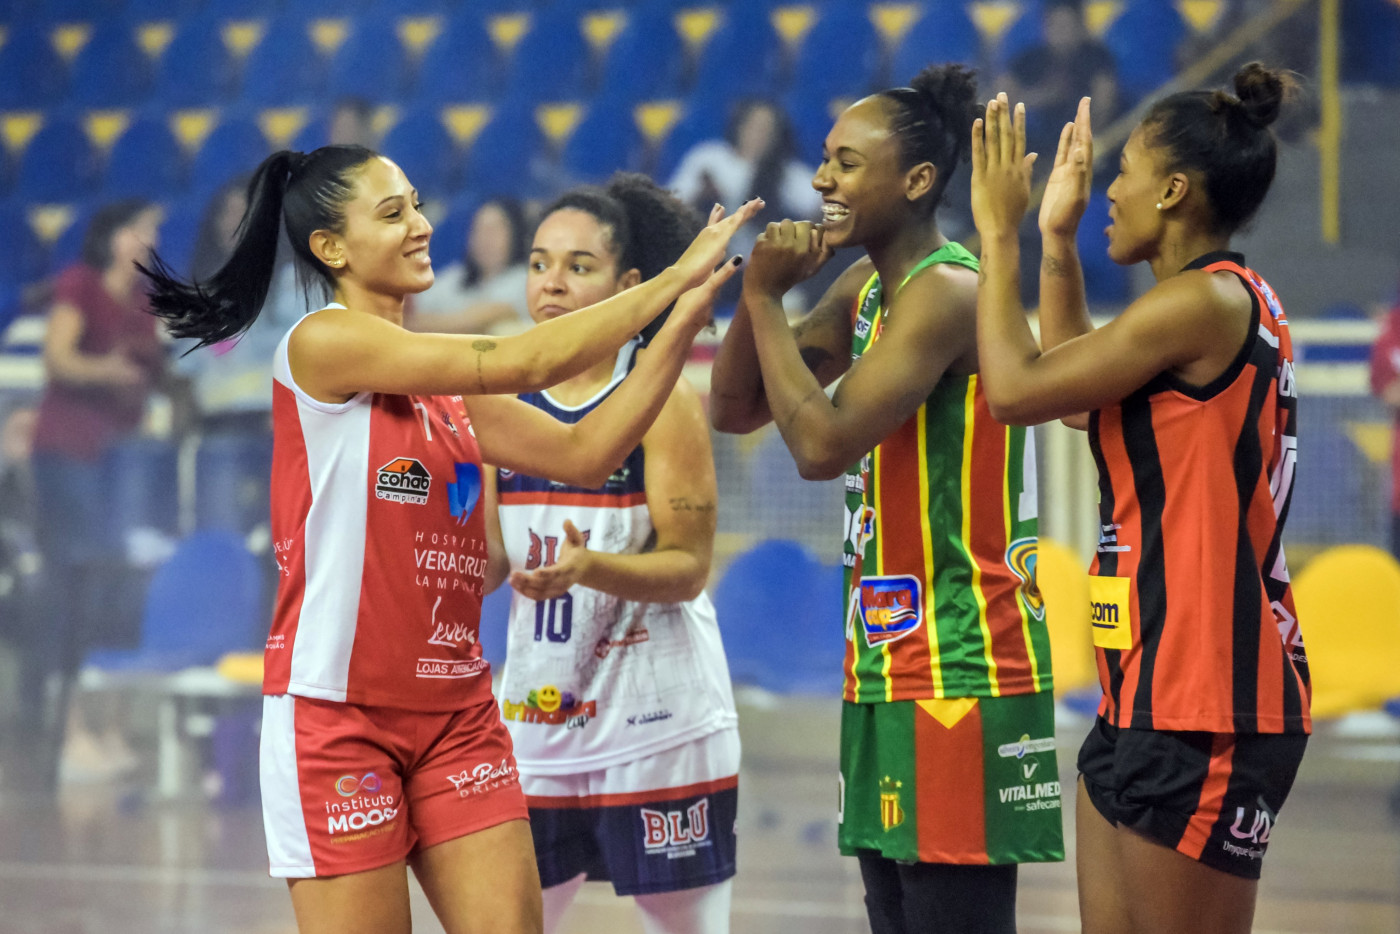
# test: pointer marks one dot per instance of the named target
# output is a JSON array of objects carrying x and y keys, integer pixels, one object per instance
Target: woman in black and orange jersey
[
  {"x": 948, "y": 768},
  {"x": 1192, "y": 421}
]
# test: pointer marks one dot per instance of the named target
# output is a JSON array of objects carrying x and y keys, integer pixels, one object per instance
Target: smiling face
[
  {"x": 573, "y": 264},
  {"x": 1136, "y": 224},
  {"x": 860, "y": 179},
  {"x": 384, "y": 246}
]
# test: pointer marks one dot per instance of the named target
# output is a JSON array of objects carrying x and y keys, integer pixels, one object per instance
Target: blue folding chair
[
  {"x": 779, "y": 613},
  {"x": 31, "y": 73},
  {"x": 205, "y": 601},
  {"x": 285, "y": 68},
  {"x": 145, "y": 162},
  {"x": 423, "y": 148},
  {"x": 111, "y": 70},
  {"x": 58, "y": 165}
]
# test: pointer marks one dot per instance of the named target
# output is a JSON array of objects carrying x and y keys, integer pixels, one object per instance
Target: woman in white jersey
[
  {"x": 616, "y": 689},
  {"x": 381, "y": 743}
]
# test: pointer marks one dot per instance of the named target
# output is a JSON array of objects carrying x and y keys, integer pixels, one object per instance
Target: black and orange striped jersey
[{"x": 1189, "y": 593}]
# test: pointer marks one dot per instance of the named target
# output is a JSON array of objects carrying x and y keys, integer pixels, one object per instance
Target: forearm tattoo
[
  {"x": 1054, "y": 266},
  {"x": 684, "y": 504},
  {"x": 481, "y": 347}
]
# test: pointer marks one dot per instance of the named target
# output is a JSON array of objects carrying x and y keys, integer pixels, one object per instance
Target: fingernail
[
  {"x": 738, "y": 260},
  {"x": 716, "y": 207}
]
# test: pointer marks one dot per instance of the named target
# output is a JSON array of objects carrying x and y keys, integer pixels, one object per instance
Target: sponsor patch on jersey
[
  {"x": 1021, "y": 559},
  {"x": 1110, "y": 611},
  {"x": 890, "y": 607},
  {"x": 403, "y": 480}
]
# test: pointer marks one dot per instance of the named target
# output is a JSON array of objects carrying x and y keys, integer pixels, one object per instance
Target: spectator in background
[
  {"x": 103, "y": 359},
  {"x": 1051, "y": 77},
  {"x": 352, "y": 123},
  {"x": 20, "y": 594},
  {"x": 483, "y": 292},
  {"x": 756, "y": 158},
  {"x": 1385, "y": 384}
]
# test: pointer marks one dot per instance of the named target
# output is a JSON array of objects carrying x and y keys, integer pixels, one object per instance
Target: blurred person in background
[
  {"x": 483, "y": 292},
  {"x": 1385, "y": 386},
  {"x": 616, "y": 690},
  {"x": 20, "y": 594},
  {"x": 103, "y": 359}
]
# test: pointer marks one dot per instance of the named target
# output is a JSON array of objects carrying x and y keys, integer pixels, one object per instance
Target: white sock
[
  {"x": 690, "y": 911},
  {"x": 557, "y": 899}
]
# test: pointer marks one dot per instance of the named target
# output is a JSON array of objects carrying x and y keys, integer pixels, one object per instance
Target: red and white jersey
[{"x": 381, "y": 549}]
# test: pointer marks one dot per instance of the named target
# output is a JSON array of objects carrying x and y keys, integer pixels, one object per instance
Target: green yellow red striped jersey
[
  {"x": 1190, "y": 601},
  {"x": 940, "y": 546}
]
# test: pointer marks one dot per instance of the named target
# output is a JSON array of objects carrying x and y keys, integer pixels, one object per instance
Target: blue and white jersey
[{"x": 592, "y": 680}]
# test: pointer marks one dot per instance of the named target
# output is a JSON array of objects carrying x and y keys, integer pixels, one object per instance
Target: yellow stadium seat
[
  {"x": 1348, "y": 601},
  {"x": 242, "y": 667},
  {"x": 1064, "y": 582}
]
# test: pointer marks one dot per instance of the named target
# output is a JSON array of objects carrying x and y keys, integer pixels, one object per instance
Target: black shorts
[{"x": 1213, "y": 796}]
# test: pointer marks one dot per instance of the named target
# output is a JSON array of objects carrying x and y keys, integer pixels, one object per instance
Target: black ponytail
[
  {"x": 932, "y": 120},
  {"x": 307, "y": 192},
  {"x": 1225, "y": 138}
]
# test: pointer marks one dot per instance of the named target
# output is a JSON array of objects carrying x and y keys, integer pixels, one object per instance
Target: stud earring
[{"x": 1159, "y": 205}]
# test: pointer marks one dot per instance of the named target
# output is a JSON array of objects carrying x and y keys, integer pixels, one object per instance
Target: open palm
[{"x": 1067, "y": 190}]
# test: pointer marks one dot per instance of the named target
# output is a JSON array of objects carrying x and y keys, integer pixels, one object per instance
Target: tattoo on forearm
[
  {"x": 1054, "y": 266},
  {"x": 791, "y": 416},
  {"x": 815, "y": 357},
  {"x": 481, "y": 346},
  {"x": 684, "y": 504}
]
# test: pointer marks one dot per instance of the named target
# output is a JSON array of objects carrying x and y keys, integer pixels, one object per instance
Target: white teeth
[{"x": 834, "y": 212}]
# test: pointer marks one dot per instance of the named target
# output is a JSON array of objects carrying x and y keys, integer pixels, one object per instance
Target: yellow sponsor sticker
[{"x": 1110, "y": 612}]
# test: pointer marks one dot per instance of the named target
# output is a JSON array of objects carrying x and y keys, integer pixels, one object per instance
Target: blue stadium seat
[
  {"x": 811, "y": 117},
  {"x": 643, "y": 61},
  {"x": 604, "y": 142},
  {"x": 550, "y": 62},
  {"x": 111, "y": 70},
  {"x": 1371, "y": 36},
  {"x": 231, "y": 481},
  {"x": 31, "y": 74},
  {"x": 372, "y": 63},
  {"x": 149, "y": 10},
  {"x": 780, "y": 617},
  {"x": 68, "y": 246},
  {"x": 739, "y": 57},
  {"x": 196, "y": 69},
  {"x": 24, "y": 257},
  {"x": 205, "y": 601},
  {"x": 1027, "y": 31},
  {"x": 285, "y": 68},
  {"x": 840, "y": 55},
  {"x": 460, "y": 65},
  {"x": 146, "y": 162},
  {"x": 58, "y": 164},
  {"x": 235, "y": 147},
  {"x": 500, "y": 157},
  {"x": 1143, "y": 41},
  {"x": 423, "y": 148},
  {"x": 706, "y": 117},
  {"x": 178, "y": 232},
  {"x": 943, "y": 34}
]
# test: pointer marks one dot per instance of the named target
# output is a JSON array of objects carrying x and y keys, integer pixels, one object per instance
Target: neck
[
  {"x": 357, "y": 298},
  {"x": 1180, "y": 247},
  {"x": 904, "y": 249},
  {"x": 585, "y": 385},
  {"x": 119, "y": 280}
]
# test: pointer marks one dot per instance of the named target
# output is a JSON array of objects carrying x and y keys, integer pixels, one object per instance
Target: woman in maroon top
[{"x": 102, "y": 358}]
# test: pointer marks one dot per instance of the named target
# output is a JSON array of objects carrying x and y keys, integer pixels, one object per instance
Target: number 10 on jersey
[{"x": 554, "y": 619}]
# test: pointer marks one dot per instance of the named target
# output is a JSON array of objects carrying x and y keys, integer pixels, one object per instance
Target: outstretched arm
[
  {"x": 681, "y": 497},
  {"x": 520, "y": 437},
  {"x": 338, "y": 353}
]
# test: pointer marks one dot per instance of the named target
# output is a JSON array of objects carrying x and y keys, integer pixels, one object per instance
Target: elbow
[
  {"x": 819, "y": 466},
  {"x": 1007, "y": 406}
]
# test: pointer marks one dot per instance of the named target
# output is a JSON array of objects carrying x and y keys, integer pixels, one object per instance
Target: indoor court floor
[{"x": 116, "y": 860}]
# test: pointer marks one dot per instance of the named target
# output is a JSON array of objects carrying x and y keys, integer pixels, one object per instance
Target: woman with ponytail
[
  {"x": 381, "y": 744},
  {"x": 1192, "y": 419},
  {"x": 616, "y": 689},
  {"x": 948, "y": 760}
]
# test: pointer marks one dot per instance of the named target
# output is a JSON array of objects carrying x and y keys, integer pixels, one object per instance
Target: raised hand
[
  {"x": 555, "y": 579},
  {"x": 785, "y": 254},
  {"x": 1067, "y": 190},
  {"x": 707, "y": 250},
  {"x": 1001, "y": 169}
]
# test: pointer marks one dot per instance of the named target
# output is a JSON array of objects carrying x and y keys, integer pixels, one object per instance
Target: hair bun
[
  {"x": 1261, "y": 92},
  {"x": 950, "y": 91}
]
